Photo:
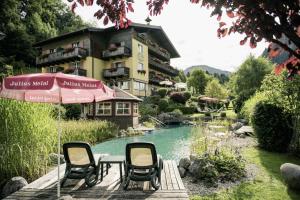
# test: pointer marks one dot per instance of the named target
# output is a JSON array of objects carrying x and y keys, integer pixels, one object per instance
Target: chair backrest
[
  {"x": 78, "y": 153},
  {"x": 141, "y": 154}
]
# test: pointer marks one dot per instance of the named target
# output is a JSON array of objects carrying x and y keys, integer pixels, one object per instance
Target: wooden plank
[
  {"x": 110, "y": 188},
  {"x": 177, "y": 175},
  {"x": 173, "y": 177},
  {"x": 98, "y": 194},
  {"x": 163, "y": 178},
  {"x": 168, "y": 177}
]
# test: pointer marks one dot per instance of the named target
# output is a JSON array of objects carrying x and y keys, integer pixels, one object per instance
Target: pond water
[{"x": 171, "y": 143}]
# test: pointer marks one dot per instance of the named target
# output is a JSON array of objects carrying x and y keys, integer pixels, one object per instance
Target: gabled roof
[
  {"x": 67, "y": 35},
  {"x": 157, "y": 31},
  {"x": 123, "y": 95}
]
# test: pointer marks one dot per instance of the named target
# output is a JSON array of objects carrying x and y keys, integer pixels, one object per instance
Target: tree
[
  {"x": 248, "y": 79},
  {"x": 215, "y": 90},
  {"x": 285, "y": 94},
  {"x": 182, "y": 76},
  {"x": 197, "y": 81},
  {"x": 27, "y": 22},
  {"x": 255, "y": 19}
]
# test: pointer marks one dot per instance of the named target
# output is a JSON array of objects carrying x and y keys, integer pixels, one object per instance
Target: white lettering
[
  {"x": 70, "y": 83},
  {"x": 19, "y": 83},
  {"x": 40, "y": 83}
]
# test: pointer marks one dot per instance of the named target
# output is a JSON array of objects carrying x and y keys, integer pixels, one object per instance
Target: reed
[
  {"x": 88, "y": 131},
  {"x": 28, "y": 134}
]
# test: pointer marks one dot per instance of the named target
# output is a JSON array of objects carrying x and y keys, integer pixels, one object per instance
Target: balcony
[
  {"x": 66, "y": 55},
  {"x": 70, "y": 70},
  {"x": 155, "y": 80},
  {"x": 157, "y": 64},
  {"x": 78, "y": 72},
  {"x": 116, "y": 52},
  {"x": 116, "y": 72},
  {"x": 154, "y": 48}
]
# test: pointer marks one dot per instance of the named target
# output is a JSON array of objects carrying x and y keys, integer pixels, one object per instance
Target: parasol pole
[{"x": 58, "y": 152}]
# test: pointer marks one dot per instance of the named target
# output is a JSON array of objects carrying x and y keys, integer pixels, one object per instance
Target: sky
[{"x": 193, "y": 33}]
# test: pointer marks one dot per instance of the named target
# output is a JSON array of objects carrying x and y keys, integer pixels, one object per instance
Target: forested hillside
[{"x": 25, "y": 22}]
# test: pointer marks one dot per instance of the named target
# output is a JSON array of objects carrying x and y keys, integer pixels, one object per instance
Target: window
[
  {"x": 123, "y": 108},
  {"x": 90, "y": 108},
  {"x": 52, "y": 50},
  {"x": 135, "y": 108},
  {"x": 139, "y": 86},
  {"x": 103, "y": 108},
  {"x": 118, "y": 64},
  {"x": 140, "y": 66},
  {"x": 52, "y": 69},
  {"x": 140, "y": 47},
  {"x": 76, "y": 64},
  {"x": 124, "y": 85},
  {"x": 75, "y": 44}
]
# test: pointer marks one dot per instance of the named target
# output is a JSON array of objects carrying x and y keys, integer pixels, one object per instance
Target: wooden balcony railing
[
  {"x": 161, "y": 66},
  {"x": 119, "y": 51},
  {"x": 65, "y": 55},
  {"x": 154, "y": 48},
  {"x": 116, "y": 72}
]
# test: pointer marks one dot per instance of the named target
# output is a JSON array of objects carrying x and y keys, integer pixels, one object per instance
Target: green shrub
[
  {"x": 188, "y": 110},
  {"x": 28, "y": 135},
  {"x": 91, "y": 131},
  {"x": 177, "y": 112},
  {"x": 163, "y": 105},
  {"x": 153, "y": 99},
  {"x": 187, "y": 95},
  {"x": 249, "y": 105},
  {"x": 172, "y": 106},
  {"x": 162, "y": 92},
  {"x": 271, "y": 126},
  {"x": 220, "y": 166},
  {"x": 207, "y": 114},
  {"x": 223, "y": 114},
  {"x": 147, "y": 109},
  {"x": 195, "y": 99},
  {"x": 73, "y": 111}
]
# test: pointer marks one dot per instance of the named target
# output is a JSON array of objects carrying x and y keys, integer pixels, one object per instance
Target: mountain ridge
[{"x": 206, "y": 68}]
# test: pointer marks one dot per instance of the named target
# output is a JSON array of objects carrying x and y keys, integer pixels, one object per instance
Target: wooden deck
[{"x": 110, "y": 188}]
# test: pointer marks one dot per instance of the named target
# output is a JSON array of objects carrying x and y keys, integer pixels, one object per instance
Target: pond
[{"x": 171, "y": 143}]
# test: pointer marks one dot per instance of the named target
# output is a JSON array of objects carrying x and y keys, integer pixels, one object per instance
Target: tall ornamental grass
[
  {"x": 27, "y": 136},
  {"x": 88, "y": 131}
]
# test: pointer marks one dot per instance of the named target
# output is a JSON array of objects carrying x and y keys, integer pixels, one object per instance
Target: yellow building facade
[{"x": 135, "y": 60}]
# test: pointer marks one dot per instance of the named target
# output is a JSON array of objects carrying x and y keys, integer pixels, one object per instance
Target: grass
[{"x": 267, "y": 185}]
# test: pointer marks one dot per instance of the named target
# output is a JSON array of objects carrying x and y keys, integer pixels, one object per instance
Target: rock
[
  {"x": 244, "y": 131},
  {"x": 220, "y": 134},
  {"x": 195, "y": 167},
  {"x": 236, "y": 126},
  {"x": 13, "y": 185},
  {"x": 193, "y": 157},
  {"x": 182, "y": 172},
  {"x": 184, "y": 163},
  {"x": 291, "y": 175},
  {"x": 53, "y": 158}
]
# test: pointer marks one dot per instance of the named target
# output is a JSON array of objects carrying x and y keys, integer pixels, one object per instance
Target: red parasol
[{"x": 56, "y": 88}]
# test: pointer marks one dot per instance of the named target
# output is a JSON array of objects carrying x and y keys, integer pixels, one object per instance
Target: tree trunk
[{"x": 295, "y": 141}]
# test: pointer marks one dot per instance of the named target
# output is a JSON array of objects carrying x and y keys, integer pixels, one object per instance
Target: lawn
[{"x": 267, "y": 184}]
